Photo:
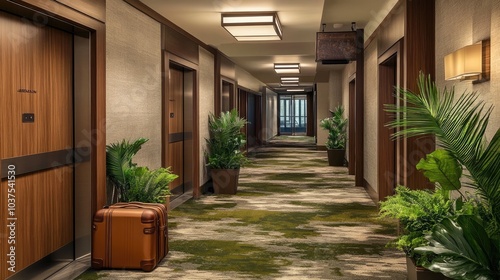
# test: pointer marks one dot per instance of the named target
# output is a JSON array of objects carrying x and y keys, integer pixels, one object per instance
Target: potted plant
[
  {"x": 336, "y": 125},
  {"x": 418, "y": 212},
  {"x": 130, "y": 182},
  {"x": 224, "y": 154},
  {"x": 465, "y": 245}
]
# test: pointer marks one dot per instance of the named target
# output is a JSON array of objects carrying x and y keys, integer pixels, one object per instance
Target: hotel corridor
[{"x": 294, "y": 217}]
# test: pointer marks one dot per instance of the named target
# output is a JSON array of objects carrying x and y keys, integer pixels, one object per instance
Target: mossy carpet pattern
[{"x": 294, "y": 217}]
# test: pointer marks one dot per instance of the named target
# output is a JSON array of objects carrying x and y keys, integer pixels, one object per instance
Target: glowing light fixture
[
  {"x": 295, "y": 90},
  {"x": 287, "y": 68},
  {"x": 463, "y": 63},
  {"x": 253, "y": 26},
  {"x": 289, "y": 80}
]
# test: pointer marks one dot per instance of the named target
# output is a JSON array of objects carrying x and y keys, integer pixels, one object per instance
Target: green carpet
[{"x": 294, "y": 217}]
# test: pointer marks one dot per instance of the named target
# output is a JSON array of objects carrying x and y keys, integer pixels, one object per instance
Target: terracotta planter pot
[
  {"x": 336, "y": 157},
  {"x": 420, "y": 273},
  {"x": 225, "y": 180}
]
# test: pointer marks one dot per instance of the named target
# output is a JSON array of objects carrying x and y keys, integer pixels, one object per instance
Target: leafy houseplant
[
  {"x": 418, "y": 211},
  {"x": 465, "y": 245},
  {"x": 224, "y": 154},
  {"x": 133, "y": 183},
  {"x": 336, "y": 125}
]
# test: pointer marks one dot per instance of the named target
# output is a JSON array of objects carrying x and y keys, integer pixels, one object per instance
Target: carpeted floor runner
[{"x": 294, "y": 217}]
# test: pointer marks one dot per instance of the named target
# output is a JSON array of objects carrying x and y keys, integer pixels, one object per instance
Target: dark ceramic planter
[
  {"x": 225, "y": 181},
  {"x": 420, "y": 273},
  {"x": 336, "y": 157}
]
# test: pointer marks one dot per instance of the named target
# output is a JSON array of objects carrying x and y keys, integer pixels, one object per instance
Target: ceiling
[{"x": 300, "y": 20}]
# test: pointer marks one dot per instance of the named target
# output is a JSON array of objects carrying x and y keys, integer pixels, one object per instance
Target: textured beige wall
[
  {"x": 133, "y": 80},
  {"x": 371, "y": 115},
  {"x": 271, "y": 114},
  {"x": 464, "y": 22},
  {"x": 246, "y": 80},
  {"x": 322, "y": 111},
  {"x": 206, "y": 104},
  {"x": 335, "y": 89},
  {"x": 347, "y": 76}
]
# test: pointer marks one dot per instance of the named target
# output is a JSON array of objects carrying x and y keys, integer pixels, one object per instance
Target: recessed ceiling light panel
[{"x": 252, "y": 26}]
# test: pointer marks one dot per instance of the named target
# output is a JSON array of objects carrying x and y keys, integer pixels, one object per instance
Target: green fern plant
[
  {"x": 147, "y": 185},
  {"x": 226, "y": 141},
  {"x": 132, "y": 183},
  {"x": 418, "y": 211}
]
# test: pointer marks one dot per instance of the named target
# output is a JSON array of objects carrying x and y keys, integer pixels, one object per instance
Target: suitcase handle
[{"x": 129, "y": 206}]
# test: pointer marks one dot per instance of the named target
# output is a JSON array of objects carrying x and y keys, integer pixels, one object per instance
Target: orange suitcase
[{"x": 129, "y": 236}]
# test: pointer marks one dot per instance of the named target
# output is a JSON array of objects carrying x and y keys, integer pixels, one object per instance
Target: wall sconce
[
  {"x": 287, "y": 68},
  {"x": 469, "y": 63},
  {"x": 253, "y": 26}
]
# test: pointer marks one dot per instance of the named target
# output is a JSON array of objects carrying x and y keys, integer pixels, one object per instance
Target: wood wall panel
[
  {"x": 360, "y": 114},
  {"x": 352, "y": 128},
  {"x": 44, "y": 203},
  {"x": 177, "y": 43},
  {"x": 420, "y": 57},
  {"x": 176, "y": 160},
  {"x": 93, "y": 8},
  {"x": 71, "y": 20},
  {"x": 41, "y": 62},
  {"x": 386, "y": 146},
  {"x": 175, "y": 102},
  {"x": 76, "y": 21},
  {"x": 310, "y": 115},
  {"x": 45, "y": 58},
  {"x": 393, "y": 29}
]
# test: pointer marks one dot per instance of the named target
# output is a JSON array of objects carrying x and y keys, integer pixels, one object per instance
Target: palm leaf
[
  {"x": 459, "y": 126},
  {"x": 119, "y": 160}
]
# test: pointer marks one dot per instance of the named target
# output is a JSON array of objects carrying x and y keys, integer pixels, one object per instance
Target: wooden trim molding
[
  {"x": 161, "y": 19},
  {"x": 390, "y": 73},
  {"x": 419, "y": 50},
  {"x": 359, "y": 108},
  {"x": 169, "y": 58}
]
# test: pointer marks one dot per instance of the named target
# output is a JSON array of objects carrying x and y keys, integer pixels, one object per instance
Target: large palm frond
[
  {"x": 119, "y": 159},
  {"x": 459, "y": 126}
]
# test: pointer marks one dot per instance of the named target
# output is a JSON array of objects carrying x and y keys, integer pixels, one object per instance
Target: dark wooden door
[
  {"x": 387, "y": 172},
  {"x": 36, "y": 147},
  {"x": 180, "y": 128}
]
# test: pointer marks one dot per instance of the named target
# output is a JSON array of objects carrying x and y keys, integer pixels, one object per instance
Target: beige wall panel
[
  {"x": 272, "y": 114},
  {"x": 464, "y": 22},
  {"x": 371, "y": 115},
  {"x": 206, "y": 101},
  {"x": 322, "y": 111},
  {"x": 133, "y": 79},
  {"x": 246, "y": 80},
  {"x": 335, "y": 90},
  {"x": 347, "y": 76}
]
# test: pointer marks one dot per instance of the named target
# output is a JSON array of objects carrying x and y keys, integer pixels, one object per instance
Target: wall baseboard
[{"x": 371, "y": 192}]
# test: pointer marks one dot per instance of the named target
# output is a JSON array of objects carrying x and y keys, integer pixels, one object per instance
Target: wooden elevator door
[
  {"x": 180, "y": 128},
  {"x": 36, "y": 147}
]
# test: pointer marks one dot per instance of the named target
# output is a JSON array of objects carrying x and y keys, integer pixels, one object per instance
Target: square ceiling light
[
  {"x": 287, "y": 68},
  {"x": 253, "y": 26},
  {"x": 289, "y": 81}
]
